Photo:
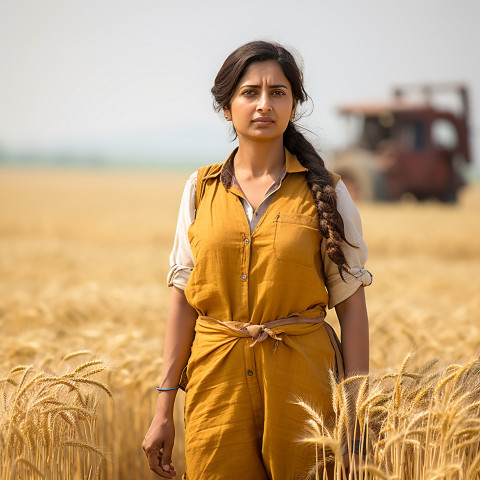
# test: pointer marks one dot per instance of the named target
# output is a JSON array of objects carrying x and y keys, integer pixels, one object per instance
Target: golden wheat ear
[{"x": 44, "y": 414}]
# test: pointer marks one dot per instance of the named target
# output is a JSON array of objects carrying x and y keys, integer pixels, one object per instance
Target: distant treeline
[
  {"x": 74, "y": 159},
  {"x": 95, "y": 160}
]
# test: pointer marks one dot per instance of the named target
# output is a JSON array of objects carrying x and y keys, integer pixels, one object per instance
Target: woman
[{"x": 260, "y": 254}]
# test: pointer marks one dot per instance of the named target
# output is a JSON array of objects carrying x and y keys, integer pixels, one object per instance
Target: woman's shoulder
[
  {"x": 206, "y": 171},
  {"x": 344, "y": 200},
  {"x": 343, "y": 195},
  {"x": 341, "y": 188},
  {"x": 209, "y": 171},
  {"x": 348, "y": 210}
]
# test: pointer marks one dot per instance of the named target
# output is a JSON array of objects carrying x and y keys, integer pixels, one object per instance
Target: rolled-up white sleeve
[
  {"x": 181, "y": 257},
  {"x": 357, "y": 275}
]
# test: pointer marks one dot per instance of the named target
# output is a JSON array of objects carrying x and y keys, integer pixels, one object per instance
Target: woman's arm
[
  {"x": 352, "y": 315},
  {"x": 179, "y": 336},
  {"x": 158, "y": 442}
]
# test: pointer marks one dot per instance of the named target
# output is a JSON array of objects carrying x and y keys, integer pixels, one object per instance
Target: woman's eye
[{"x": 254, "y": 92}]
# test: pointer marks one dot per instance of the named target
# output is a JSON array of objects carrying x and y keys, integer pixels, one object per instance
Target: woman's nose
[{"x": 263, "y": 104}]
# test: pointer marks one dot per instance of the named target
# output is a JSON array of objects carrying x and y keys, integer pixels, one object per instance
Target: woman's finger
[
  {"x": 166, "y": 459},
  {"x": 154, "y": 461}
]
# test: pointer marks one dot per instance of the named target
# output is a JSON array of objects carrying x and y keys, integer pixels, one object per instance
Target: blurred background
[
  {"x": 117, "y": 83},
  {"x": 105, "y": 110}
]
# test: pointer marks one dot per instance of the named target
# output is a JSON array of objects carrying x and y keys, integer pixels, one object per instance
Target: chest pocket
[{"x": 297, "y": 238}]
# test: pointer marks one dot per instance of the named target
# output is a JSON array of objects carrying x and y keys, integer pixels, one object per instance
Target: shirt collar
[{"x": 292, "y": 165}]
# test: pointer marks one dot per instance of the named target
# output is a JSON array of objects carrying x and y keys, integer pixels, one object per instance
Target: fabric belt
[{"x": 261, "y": 332}]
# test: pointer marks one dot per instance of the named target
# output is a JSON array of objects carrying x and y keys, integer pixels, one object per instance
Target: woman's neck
[{"x": 259, "y": 159}]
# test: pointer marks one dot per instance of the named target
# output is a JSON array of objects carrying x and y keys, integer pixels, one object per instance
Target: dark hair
[{"x": 318, "y": 177}]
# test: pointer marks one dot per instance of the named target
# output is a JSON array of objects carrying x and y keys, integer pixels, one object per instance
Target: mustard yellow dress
[{"x": 241, "y": 418}]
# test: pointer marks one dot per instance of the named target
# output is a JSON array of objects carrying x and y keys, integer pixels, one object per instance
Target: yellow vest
[{"x": 272, "y": 273}]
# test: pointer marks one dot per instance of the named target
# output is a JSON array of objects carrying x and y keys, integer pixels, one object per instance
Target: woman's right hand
[{"x": 158, "y": 446}]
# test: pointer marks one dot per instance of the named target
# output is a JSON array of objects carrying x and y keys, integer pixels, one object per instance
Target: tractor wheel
[
  {"x": 363, "y": 181},
  {"x": 449, "y": 196}
]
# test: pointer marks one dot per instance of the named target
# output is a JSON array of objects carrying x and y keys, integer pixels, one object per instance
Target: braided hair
[{"x": 318, "y": 178}]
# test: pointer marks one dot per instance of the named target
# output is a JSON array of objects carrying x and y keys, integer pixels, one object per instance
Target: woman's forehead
[{"x": 258, "y": 72}]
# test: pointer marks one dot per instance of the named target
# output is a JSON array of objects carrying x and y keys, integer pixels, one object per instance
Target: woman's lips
[{"x": 263, "y": 121}]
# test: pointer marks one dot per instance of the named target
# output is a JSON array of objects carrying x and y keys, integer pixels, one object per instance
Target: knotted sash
[
  {"x": 260, "y": 333},
  {"x": 272, "y": 329}
]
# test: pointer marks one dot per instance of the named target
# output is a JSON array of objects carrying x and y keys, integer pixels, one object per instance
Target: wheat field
[{"x": 83, "y": 301}]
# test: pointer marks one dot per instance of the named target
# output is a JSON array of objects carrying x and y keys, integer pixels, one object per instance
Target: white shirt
[{"x": 181, "y": 257}]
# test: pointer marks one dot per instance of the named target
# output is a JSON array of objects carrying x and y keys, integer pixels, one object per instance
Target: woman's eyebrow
[{"x": 270, "y": 86}]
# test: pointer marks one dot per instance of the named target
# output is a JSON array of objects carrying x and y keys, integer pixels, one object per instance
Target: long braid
[{"x": 321, "y": 184}]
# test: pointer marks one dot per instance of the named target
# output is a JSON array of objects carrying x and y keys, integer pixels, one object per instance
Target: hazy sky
[{"x": 134, "y": 77}]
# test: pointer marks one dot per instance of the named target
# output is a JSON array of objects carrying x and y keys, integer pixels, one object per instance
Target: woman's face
[{"x": 262, "y": 103}]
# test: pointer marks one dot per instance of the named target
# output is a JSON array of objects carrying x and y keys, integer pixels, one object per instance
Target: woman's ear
[
  {"x": 294, "y": 108},
  {"x": 226, "y": 114}
]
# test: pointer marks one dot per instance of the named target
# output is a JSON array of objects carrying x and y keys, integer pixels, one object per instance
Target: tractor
[{"x": 406, "y": 147}]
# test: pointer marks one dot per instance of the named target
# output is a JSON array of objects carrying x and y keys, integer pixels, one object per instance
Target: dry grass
[
  {"x": 83, "y": 262},
  {"x": 421, "y": 423}
]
